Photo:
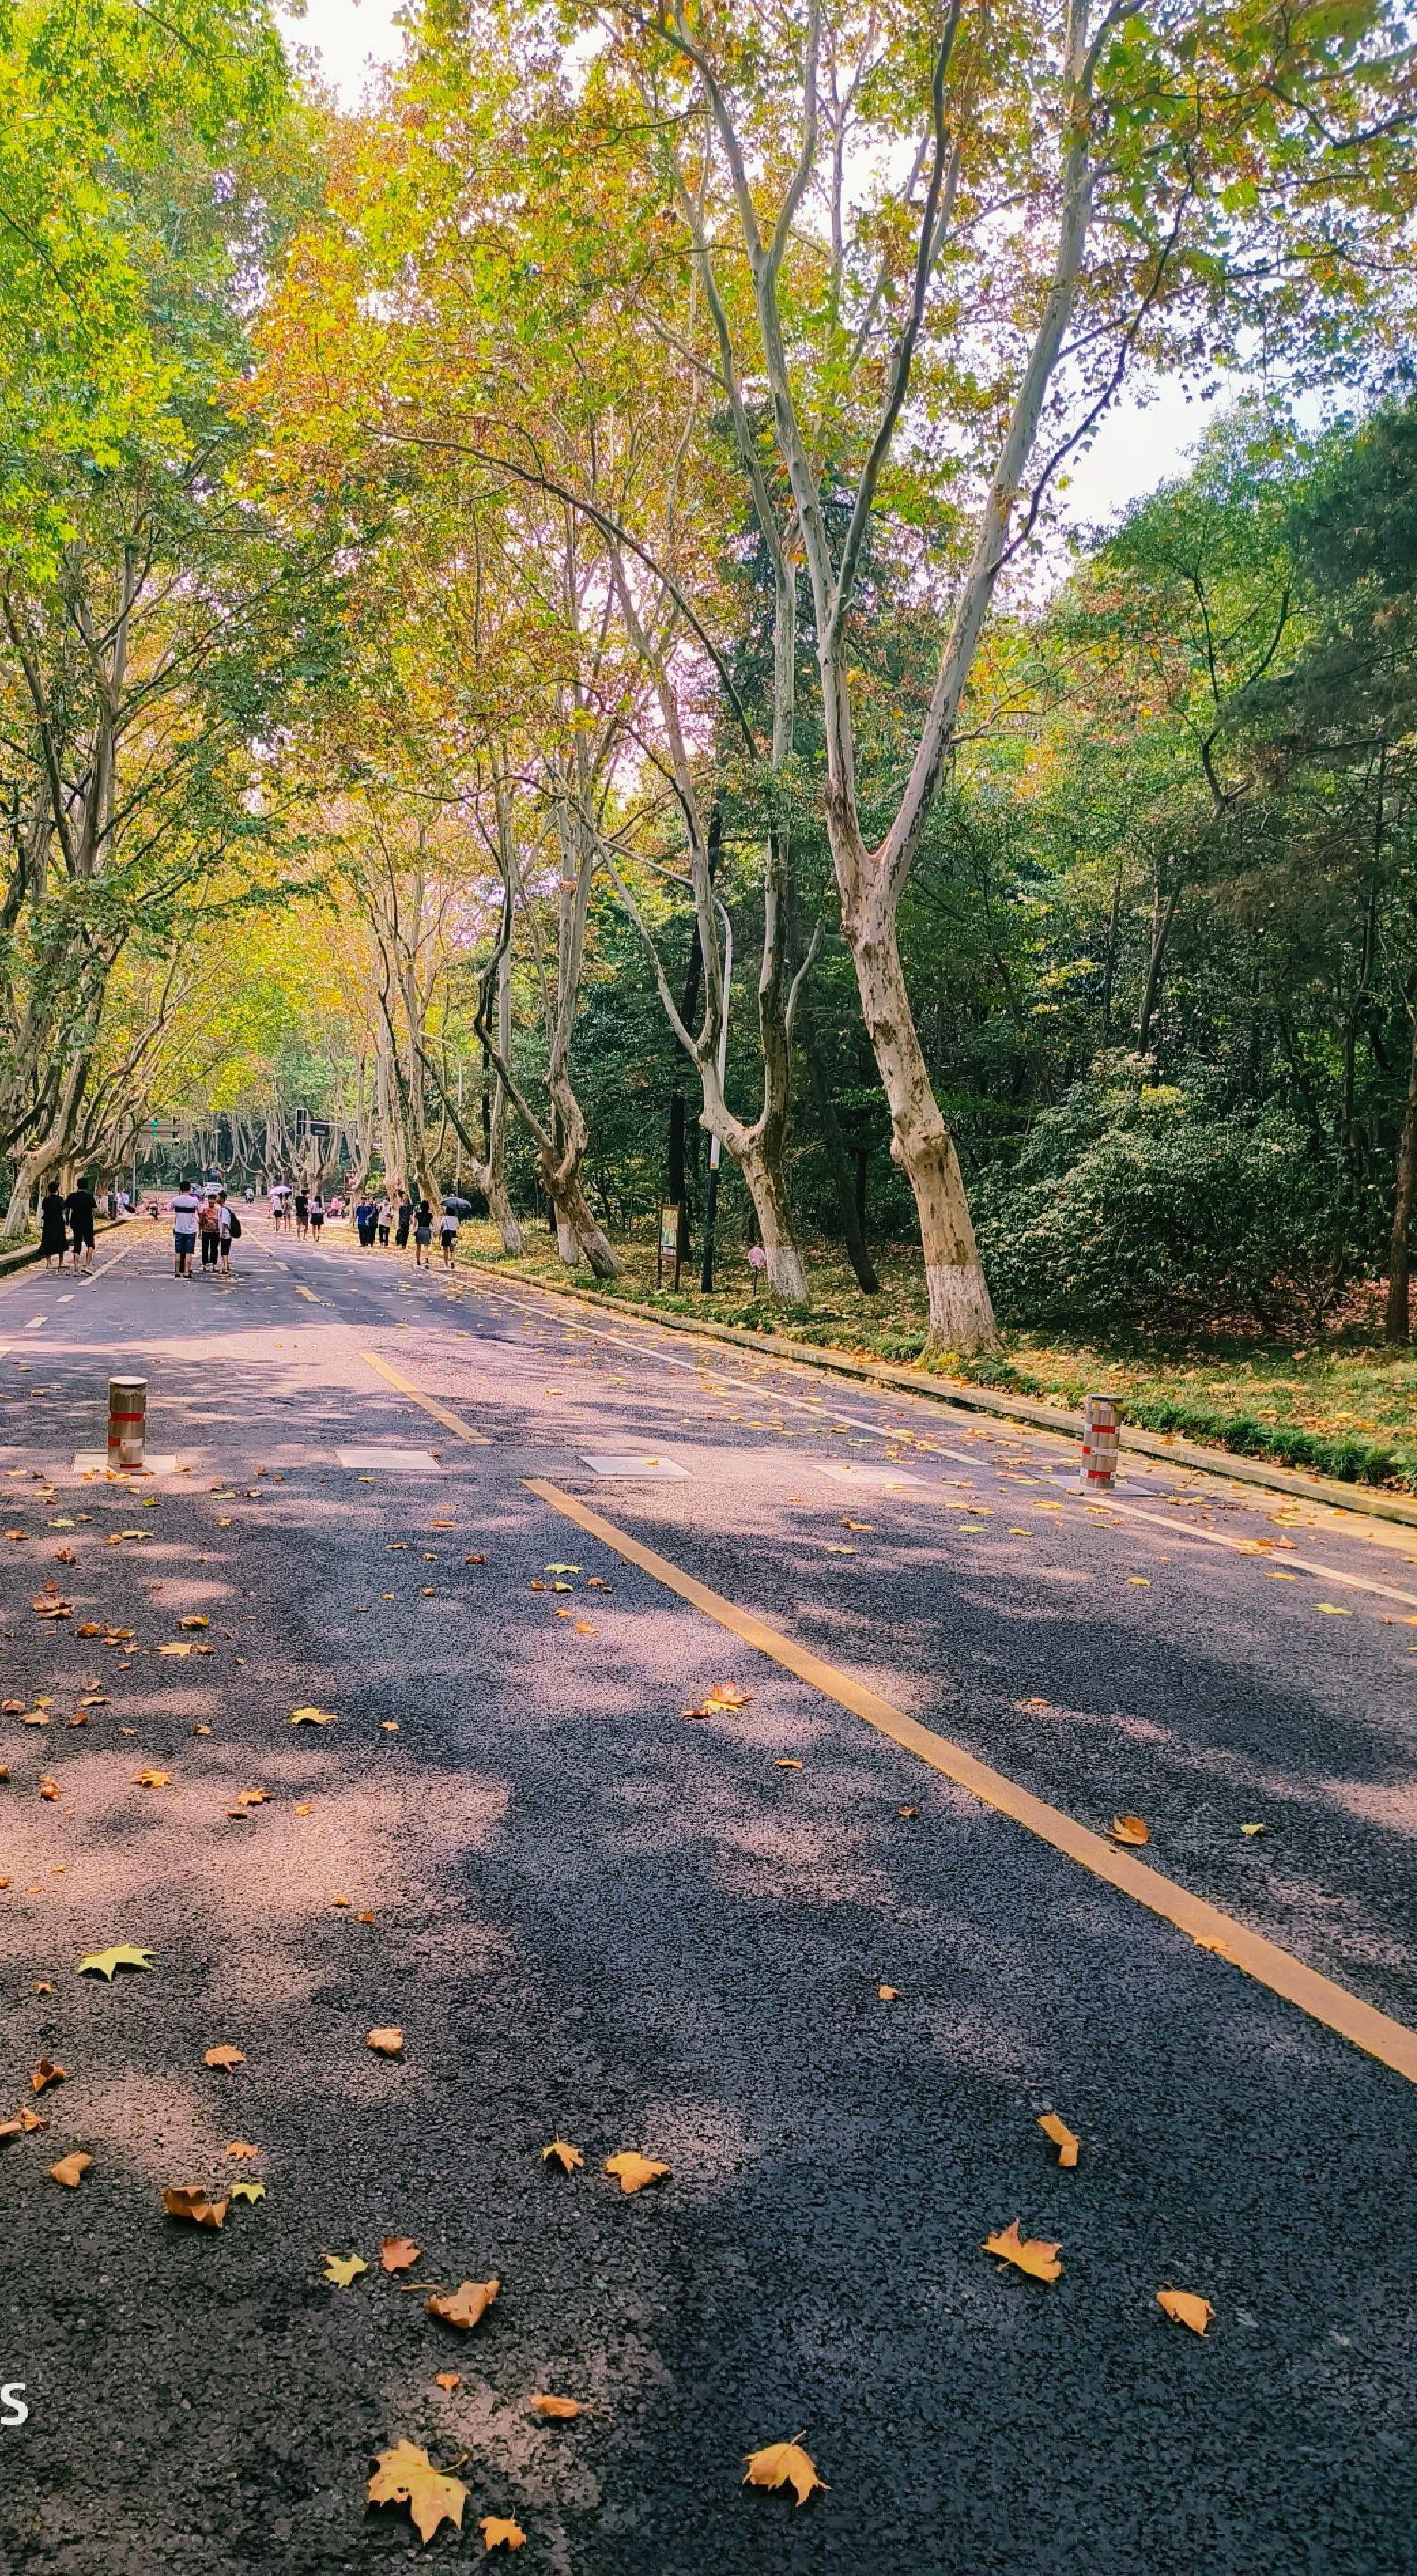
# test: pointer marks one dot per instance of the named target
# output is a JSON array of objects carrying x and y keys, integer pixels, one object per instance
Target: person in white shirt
[
  {"x": 186, "y": 1207},
  {"x": 447, "y": 1236}
]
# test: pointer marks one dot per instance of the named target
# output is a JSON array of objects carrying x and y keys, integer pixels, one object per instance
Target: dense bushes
[{"x": 1133, "y": 1201}]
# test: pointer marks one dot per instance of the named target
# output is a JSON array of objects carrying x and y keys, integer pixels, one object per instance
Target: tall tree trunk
[
  {"x": 838, "y": 1161},
  {"x": 1397, "y": 1321},
  {"x": 961, "y": 1314}
]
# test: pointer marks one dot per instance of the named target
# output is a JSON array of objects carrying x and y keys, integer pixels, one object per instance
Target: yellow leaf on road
[
  {"x": 889, "y": 1994},
  {"x": 104, "y": 1963},
  {"x": 225, "y": 2055},
  {"x": 1031, "y": 2254},
  {"x": 385, "y": 2043},
  {"x": 70, "y": 2170},
  {"x": 406, "y": 2475},
  {"x": 252, "y": 2191},
  {"x": 562, "y": 2153},
  {"x": 632, "y": 2171},
  {"x": 312, "y": 1717},
  {"x": 1186, "y": 2309},
  {"x": 152, "y": 1780},
  {"x": 500, "y": 2532},
  {"x": 1252, "y": 1829},
  {"x": 1333, "y": 1610},
  {"x": 465, "y": 2306},
  {"x": 1062, "y": 2137},
  {"x": 341, "y": 2269},
  {"x": 1130, "y": 1829},
  {"x": 557, "y": 2410},
  {"x": 45, "y": 2074},
  {"x": 783, "y": 2464}
]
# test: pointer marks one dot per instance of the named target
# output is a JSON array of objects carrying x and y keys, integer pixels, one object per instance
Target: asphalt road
[{"x": 597, "y": 1919}]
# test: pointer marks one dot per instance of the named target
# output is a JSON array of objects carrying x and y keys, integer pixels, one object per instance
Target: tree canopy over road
[{"x": 468, "y": 561}]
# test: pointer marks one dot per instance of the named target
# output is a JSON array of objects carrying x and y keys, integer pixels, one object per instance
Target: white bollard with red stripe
[
  {"x": 127, "y": 1421},
  {"x": 1099, "y": 1444}
]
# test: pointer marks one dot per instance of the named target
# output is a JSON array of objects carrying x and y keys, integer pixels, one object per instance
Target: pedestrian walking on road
[
  {"x": 404, "y": 1221},
  {"x": 185, "y": 1210},
  {"x": 366, "y": 1217},
  {"x": 229, "y": 1224},
  {"x": 386, "y": 1220},
  {"x": 302, "y": 1215},
  {"x": 81, "y": 1210},
  {"x": 447, "y": 1237},
  {"x": 53, "y": 1238},
  {"x": 317, "y": 1215},
  {"x": 423, "y": 1235},
  {"x": 209, "y": 1228}
]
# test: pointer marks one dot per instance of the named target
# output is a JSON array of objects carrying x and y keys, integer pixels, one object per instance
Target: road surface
[{"x": 941, "y": 1678}]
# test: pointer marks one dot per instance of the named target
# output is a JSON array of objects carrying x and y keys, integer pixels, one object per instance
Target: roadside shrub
[{"x": 1139, "y": 1203}]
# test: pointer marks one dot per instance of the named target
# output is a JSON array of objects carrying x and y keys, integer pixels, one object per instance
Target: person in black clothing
[
  {"x": 80, "y": 1208},
  {"x": 53, "y": 1238},
  {"x": 404, "y": 1221}
]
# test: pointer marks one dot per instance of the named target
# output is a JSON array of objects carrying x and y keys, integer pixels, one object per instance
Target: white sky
[{"x": 1141, "y": 441}]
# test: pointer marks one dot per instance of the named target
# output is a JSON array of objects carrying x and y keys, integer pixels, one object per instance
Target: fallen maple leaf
[
  {"x": 45, "y": 2074},
  {"x": 557, "y": 2410},
  {"x": 312, "y": 1717},
  {"x": 225, "y": 2055},
  {"x": 385, "y": 2043},
  {"x": 786, "y": 1763},
  {"x": 1130, "y": 1829},
  {"x": 49, "y": 1789},
  {"x": 240, "y": 2148},
  {"x": 907, "y": 1811},
  {"x": 1062, "y": 2136},
  {"x": 104, "y": 1963},
  {"x": 1031, "y": 2254},
  {"x": 447, "y": 2379},
  {"x": 398, "y": 2254},
  {"x": 1185, "y": 2308},
  {"x": 1252, "y": 1829},
  {"x": 889, "y": 1994},
  {"x": 406, "y": 2475},
  {"x": 723, "y": 1695},
  {"x": 190, "y": 2201},
  {"x": 20, "y": 2127},
  {"x": 152, "y": 1780},
  {"x": 562, "y": 2153},
  {"x": 252, "y": 2191},
  {"x": 465, "y": 2306},
  {"x": 70, "y": 2170},
  {"x": 195, "y": 1620},
  {"x": 633, "y": 2171},
  {"x": 783, "y": 2464},
  {"x": 499, "y": 2532},
  {"x": 341, "y": 2269}
]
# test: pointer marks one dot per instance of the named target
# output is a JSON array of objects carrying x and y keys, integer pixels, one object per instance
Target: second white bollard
[{"x": 1099, "y": 1444}]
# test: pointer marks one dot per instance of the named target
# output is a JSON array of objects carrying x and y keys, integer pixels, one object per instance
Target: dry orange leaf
[
  {"x": 786, "y": 1763},
  {"x": 562, "y": 2153},
  {"x": 1130, "y": 1829},
  {"x": 907, "y": 1811},
  {"x": 70, "y": 2170},
  {"x": 195, "y": 1620},
  {"x": 1063, "y": 2139},
  {"x": 723, "y": 1695},
  {"x": 1031, "y": 2254},
  {"x": 406, "y": 2475},
  {"x": 239, "y": 2147},
  {"x": 500, "y": 2532},
  {"x": 783, "y": 2464},
  {"x": 1186, "y": 2309},
  {"x": 385, "y": 2043},
  {"x": 45, "y": 2074},
  {"x": 152, "y": 1780},
  {"x": 889, "y": 1994},
  {"x": 189, "y": 2201},
  {"x": 225, "y": 2055},
  {"x": 465, "y": 2306},
  {"x": 633, "y": 2171},
  {"x": 447, "y": 2379},
  {"x": 312, "y": 1717},
  {"x": 557, "y": 2410},
  {"x": 398, "y": 2254}
]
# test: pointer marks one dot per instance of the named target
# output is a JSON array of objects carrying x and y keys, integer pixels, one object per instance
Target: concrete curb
[{"x": 1368, "y": 1500}]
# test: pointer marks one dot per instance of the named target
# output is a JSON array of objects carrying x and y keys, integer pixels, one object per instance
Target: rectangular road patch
[
  {"x": 875, "y": 1480},
  {"x": 622, "y": 1462},
  {"x": 397, "y": 1462}
]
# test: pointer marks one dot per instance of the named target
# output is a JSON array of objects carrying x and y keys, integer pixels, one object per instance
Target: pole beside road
[
  {"x": 1099, "y": 1443},
  {"x": 127, "y": 1421}
]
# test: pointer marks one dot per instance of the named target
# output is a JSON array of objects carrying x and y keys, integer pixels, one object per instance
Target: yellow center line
[
  {"x": 416, "y": 1395},
  {"x": 310, "y": 1293},
  {"x": 1318, "y": 1996}
]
